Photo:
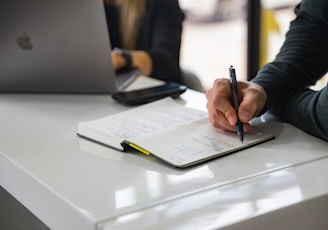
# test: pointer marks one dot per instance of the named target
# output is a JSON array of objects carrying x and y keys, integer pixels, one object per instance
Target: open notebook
[{"x": 176, "y": 134}]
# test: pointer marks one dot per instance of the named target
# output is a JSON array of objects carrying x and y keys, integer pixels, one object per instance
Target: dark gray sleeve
[
  {"x": 302, "y": 60},
  {"x": 308, "y": 110}
]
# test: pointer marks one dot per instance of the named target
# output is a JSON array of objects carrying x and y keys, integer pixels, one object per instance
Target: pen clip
[{"x": 234, "y": 89}]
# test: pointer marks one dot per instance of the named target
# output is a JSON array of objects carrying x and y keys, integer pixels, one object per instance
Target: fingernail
[
  {"x": 245, "y": 116},
  {"x": 231, "y": 120}
]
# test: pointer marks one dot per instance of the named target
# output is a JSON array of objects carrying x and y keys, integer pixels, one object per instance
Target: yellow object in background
[{"x": 268, "y": 24}]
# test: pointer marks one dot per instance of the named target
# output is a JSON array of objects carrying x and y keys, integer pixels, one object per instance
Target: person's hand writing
[{"x": 221, "y": 111}]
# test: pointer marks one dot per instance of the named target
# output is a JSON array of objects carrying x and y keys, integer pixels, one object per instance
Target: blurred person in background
[{"x": 148, "y": 35}]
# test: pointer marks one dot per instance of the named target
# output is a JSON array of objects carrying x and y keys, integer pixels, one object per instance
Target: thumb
[{"x": 247, "y": 110}]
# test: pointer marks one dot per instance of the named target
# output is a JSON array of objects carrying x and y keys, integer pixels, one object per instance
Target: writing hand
[{"x": 221, "y": 111}]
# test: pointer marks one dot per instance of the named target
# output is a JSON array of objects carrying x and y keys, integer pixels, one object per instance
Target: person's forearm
[
  {"x": 301, "y": 61},
  {"x": 307, "y": 109},
  {"x": 139, "y": 60}
]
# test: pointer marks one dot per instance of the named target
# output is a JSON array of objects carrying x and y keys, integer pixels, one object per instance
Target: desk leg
[{"x": 13, "y": 215}]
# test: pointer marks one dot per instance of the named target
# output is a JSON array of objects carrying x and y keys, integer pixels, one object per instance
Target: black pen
[{"x": 235, "y": 98}]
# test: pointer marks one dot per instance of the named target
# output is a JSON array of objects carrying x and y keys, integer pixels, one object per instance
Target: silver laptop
[{"x": 59, "y": 46}]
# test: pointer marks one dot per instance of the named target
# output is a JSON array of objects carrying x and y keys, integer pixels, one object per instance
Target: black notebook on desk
[{"x": 176, "y": 134}]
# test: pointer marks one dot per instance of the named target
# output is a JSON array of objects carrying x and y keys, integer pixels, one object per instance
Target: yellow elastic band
[{"x": 142, "y": 150}]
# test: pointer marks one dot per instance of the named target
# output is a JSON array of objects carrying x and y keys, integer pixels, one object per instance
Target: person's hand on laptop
[{"x": 123, "y": 59}]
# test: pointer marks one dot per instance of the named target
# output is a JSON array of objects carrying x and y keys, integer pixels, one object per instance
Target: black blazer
[{"x": 159, "y": 35}]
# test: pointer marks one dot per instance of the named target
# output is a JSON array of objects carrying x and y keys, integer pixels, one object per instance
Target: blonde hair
[{"x": 131, "y": 13}]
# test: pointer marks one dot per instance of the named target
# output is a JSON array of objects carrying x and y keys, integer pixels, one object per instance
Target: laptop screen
[{"x": 55, "y": 47}]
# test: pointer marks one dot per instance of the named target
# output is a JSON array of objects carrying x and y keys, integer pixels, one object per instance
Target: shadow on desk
[{"x": 13, "y": 215}]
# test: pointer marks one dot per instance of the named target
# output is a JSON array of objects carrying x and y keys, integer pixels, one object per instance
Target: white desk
[{"x": 71, "y": 183}]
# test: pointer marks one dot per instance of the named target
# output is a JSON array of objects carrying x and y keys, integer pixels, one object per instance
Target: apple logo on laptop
[{"x": 24, "y": 42}]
